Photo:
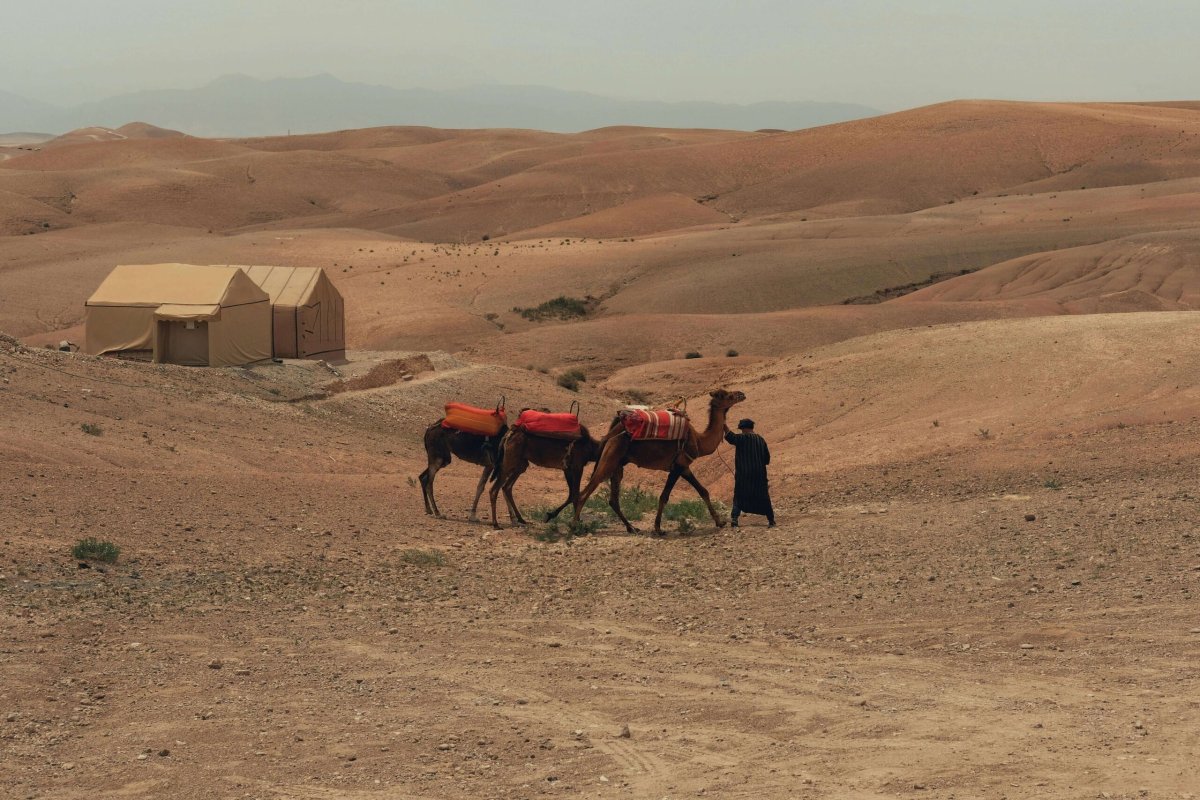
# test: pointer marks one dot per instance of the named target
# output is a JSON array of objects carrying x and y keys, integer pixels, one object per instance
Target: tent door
[{"x": 182, "y": 342}]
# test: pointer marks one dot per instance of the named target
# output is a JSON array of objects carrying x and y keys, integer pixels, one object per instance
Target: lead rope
[{"x": 721, "y": 458}]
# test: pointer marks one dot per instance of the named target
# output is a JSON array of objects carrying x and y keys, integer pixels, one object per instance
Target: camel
[
  {"x": 441, "y": 443},
  {"x": 519, "y": 449},
  {"x": 672, "y": 457}
]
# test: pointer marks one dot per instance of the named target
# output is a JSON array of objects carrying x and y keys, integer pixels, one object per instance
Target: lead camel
[{"x": 673, "y": 457}]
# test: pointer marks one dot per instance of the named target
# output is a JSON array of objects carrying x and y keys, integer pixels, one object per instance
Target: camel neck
[{"x": 711, "y": 438}]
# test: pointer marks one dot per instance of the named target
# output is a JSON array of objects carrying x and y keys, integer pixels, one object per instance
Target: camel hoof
[
  {"x": 720, "y": 524},
  {"x": 473, "y": 518},
  {"x": 659, "y": 533}
]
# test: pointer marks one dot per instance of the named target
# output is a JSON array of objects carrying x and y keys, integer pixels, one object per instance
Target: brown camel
[
  {"x": 520, "y": 448},
  {"x": 441, "y": 443},
  {"x": 672, "y": 457}
]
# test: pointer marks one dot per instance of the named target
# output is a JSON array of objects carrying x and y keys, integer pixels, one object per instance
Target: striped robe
[{"x": 750, "y": 492}]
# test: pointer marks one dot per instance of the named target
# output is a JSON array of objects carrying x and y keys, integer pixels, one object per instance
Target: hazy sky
[{"x": 886, "y": 54}]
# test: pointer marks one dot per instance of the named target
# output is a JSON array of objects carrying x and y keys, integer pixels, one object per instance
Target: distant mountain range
[{"x": 238, "y": 105}]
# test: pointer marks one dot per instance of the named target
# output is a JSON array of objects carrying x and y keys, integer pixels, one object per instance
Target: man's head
[{"x": 746, "y": 425}]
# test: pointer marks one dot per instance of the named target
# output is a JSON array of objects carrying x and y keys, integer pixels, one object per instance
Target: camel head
[{"x": 725, "y": 400}]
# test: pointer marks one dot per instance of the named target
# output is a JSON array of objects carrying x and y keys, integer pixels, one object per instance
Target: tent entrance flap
[{"x": 182, "y": 342}]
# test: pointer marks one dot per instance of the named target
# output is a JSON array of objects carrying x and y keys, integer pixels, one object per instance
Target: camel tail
[{"x": 498, "y": 459}]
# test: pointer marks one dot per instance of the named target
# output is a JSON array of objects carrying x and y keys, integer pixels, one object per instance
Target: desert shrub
[
  {"x": 566, "y": 530},
  {"x": 685, "y": 526},
  {"x": 571, "y": 379},
  {"x": 91, "y": 549},
  {"x": 984, "y": 433},
  {"x": 731, "y": 353},
  {"x": 638, "y": 397},
  {"x": 690, "y": 509},
  {"x": 423, "y": 558},
  {"x": 561, "y": 307},
  {"x": 636, "y": 502},
  {"x": 1052, "y": 483},
  {"x": 91, "y": 429},
  {"x": 692, "y": 354}
]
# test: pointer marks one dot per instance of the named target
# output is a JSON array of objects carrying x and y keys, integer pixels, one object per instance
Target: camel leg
[
  {"x": 672, "y": 479},
  {"x": 487, "y": 470},
  {"x": 492, "y": 494},
  {"x": 510, "y": 478},
  {"x": 423, "y": 478},
  {"x": 608, "y": 464},
  {"x": 614, "y": 498},
  {"x": 700, "y": 490},
  {"x": 574, "y": 476},
  {"x": 426, "y": 479}
]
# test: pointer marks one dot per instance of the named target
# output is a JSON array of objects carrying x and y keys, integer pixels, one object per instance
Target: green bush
[
  {"x": 91, "y": 429},
  {"x": 91, "y": 549},
  {"x": 423, "y": 558},
  {"x": 561, "y": 307},
  {"x": 689, "y": 509},
  {"x": 636, "y": 502},
  {"x": 571, "y": 379},
  {"x": 692, "y": 354},
  {"x": 731, "y": 353}
]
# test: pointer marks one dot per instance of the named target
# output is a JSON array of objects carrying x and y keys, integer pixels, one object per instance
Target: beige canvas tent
[
  {"x": 180, "y": 314},
  {"x": 309, "y": 316}
]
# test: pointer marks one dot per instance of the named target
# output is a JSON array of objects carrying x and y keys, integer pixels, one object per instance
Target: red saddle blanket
[
  {"x": 469, "y": 419},
  {"x": 645, "y": 423},
  {"x": 543, "y": 423}
]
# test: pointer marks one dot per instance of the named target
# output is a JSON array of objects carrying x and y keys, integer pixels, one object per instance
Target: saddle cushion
[
  {"x": 469, "y": 419},
  {"x": 644, "y": 423},
  {"x": 555, "y": 426}
]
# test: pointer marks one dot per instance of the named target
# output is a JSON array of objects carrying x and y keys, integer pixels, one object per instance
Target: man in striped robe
[{"x": 750, "y": 492}]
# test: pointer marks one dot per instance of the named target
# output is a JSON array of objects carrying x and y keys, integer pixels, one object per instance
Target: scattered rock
[
  {"x": 216, "y": 663},
  {"x": 1031, "y": 517},
  {"x": 625, "y": 733}
]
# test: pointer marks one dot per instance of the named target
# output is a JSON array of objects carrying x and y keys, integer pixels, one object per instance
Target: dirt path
[{"x": 420, "y": 660}]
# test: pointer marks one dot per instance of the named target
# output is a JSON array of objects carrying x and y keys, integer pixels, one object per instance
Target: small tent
[
  {"x": 308, "y": 314},
  {"x": 180, "y": 314}
]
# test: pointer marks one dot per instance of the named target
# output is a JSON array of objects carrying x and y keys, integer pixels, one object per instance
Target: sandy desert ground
[{"x": 967, "y": 331}]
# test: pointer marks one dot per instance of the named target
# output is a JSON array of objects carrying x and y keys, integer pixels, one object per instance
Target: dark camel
[
  {"x": 673, "y": 457},
  {"x": 519, "y": 449},
  {"x": 441, "y": 443}
]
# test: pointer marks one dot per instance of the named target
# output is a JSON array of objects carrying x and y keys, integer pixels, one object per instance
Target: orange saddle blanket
[
  {"x": 469, "y": 419},
  {"x": 645, "y": 423},
  {"x": 544, "y": 423}
]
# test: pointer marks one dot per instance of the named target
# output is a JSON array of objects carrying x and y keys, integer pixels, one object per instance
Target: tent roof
[
  {"x": 287, "y": 286},
  {"x": 181, "y": 284}
]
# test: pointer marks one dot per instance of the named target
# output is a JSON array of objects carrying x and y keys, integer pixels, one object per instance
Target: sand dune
[{"x": 1155, "y": 271}]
